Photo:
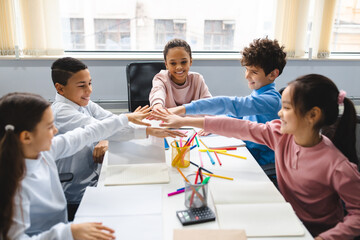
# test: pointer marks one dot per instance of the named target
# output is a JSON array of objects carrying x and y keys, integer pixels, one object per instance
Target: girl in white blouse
[{"x": 32, "y": 202}]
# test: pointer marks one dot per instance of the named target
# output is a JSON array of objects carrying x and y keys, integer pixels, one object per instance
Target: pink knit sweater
[
  {"x": 169, "y": 94},
  {"x": 311, "y": 179}
]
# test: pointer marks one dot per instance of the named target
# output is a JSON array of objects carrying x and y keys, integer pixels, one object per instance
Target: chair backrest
[{"x": 139, "y": 81}]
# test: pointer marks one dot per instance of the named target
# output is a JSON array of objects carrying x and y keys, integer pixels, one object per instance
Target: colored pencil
[
  {"x": 218, "y": 176},
  {"x": 232, "y": 155},
  {"x": 225, "y": 148},
  {"x": 218, "y": 158},
  {"x": 212, "y": 150}
]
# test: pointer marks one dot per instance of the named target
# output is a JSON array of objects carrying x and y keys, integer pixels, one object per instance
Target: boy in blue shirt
[{"x": 264, "y": 61}]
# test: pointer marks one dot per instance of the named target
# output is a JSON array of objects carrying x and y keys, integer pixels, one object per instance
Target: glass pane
[
  {"x": 142, "y": 25},
  {"x": 346, "y": 30}
]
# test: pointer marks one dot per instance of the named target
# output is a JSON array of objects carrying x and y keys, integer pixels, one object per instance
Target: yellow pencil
[
  {"x": 218, "y": 176},
  {"x": 232, "y": 155},
  {"x": 212, "y": 150}
]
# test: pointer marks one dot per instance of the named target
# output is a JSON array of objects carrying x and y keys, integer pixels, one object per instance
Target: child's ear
[
  {"x": 314, "y": 115},
  {"x": 274, "y": 74},
  {"x": 25, "y": 137},
  {"x": 59, "y": 88}
]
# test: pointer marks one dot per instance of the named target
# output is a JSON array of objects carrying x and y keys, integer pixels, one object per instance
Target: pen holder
[
  {"x": 180, "y": 155},
  {"x": 195, "y": 194}
]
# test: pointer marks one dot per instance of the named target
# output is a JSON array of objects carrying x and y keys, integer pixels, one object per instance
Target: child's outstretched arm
[
  {"x": 179, "y": 110},
  {"x": 87, "y": 231},
  {"x": 161, "y": 132},
  {"x": 139, "y": 114},
  {"x": 175, "y": 121}
]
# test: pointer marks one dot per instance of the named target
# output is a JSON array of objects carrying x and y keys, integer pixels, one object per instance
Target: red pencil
[
  {"x": 217, "y": 158},
  {"x": 226, "y": 148}
]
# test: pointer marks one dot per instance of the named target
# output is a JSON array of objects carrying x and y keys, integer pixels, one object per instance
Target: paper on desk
[
  {"x": 134, "y": 227},
  {"x": 209, "y": 234},
  {"x": 260, "y": 220},
  {"x": 217, "y": 141},
  {"x": 149, "y": 150},
  {"x": 120, "y": 201},
  {"x": 244, "y": 192},
  {"x": 127, "y": 174},
  {"x": 134, "y": 212}
]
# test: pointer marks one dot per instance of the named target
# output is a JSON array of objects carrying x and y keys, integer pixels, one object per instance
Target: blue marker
[
  {"x": 192, "y": 147},
  {"x": 211, "y": 159}
]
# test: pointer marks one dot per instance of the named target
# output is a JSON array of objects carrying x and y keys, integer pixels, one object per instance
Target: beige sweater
[{"x": 169, "y": 94}]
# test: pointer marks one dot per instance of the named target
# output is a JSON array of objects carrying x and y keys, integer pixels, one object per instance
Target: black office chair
[
  {"x": 66, "y": 177},
  {"x": 139, "y": 81}
]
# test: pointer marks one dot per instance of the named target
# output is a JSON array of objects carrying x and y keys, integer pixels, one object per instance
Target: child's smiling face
[
  {"x": 178, "y": 63},
  {"x": 256, "y": 77},
  {"x": 78, "y": 88}
]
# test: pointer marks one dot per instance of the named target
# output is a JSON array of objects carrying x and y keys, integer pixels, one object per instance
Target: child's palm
[{"x": 139, "y": 114}]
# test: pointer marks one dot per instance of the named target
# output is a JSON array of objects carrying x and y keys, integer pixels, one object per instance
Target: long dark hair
[
  {"x": 315, "y": 90},
  {"x": 18, "y": 112}
]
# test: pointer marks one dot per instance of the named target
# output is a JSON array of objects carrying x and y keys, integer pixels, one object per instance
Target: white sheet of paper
[
  {"x": 136, "y": 151},
  {"x": 217, "y": 141},
  {"x": 260, "y": 220},
  {"x": 124, "y": 200},
  {"x": 128, "y": 174},
  {"x": 244, "y": 192},
  {"x": 131, "y": 227}
]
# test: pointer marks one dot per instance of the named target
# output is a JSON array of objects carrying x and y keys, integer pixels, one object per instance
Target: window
[
  {"x": 140, "y": 25},
  {"x": 73, "y": 29},
  {"x": 166, "y": 30},
  {"x": 112, "y": 34},
  {"x": 346, "y": 29},
  {"x": 218, "y": 35}
]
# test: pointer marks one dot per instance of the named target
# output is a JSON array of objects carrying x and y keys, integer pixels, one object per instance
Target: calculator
[{"x": 195, "y": 215}]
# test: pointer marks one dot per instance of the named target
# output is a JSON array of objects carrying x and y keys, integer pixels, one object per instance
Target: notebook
[
  {"x": 127, "y": 174},
  {"x": 256, "y": 207},
  {"x": 217, "y": 141},
  {"x": 209, "y": 234},
  {"x": 137, "y": 162},
  {"x": 135, "y": 212}
]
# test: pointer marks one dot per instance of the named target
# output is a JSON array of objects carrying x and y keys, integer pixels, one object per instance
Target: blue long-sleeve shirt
[{"x": 261, "y": 106}]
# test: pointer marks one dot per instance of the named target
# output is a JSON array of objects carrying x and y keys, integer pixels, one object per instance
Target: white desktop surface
[{"x": 239, "y": 169}]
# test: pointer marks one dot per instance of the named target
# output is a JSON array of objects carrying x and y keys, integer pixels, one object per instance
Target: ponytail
[
  {"x": 18, "y": 112},
  {"x": 344, "y": 136},
  {"x": 12, "y": 171}
]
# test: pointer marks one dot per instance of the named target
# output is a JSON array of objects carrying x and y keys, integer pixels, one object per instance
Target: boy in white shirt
[{"x": 73, "y": 108}]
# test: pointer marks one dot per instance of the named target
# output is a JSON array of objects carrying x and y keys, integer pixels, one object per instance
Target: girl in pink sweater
[
  {"x": 317, "y": 174},
  {"x": 176, "y": 85}
]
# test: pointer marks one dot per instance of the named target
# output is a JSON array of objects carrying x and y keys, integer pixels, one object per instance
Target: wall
[{"x": 224, "y": 77}]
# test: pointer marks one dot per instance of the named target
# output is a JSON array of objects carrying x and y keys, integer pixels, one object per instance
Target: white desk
[{"x": 239, "y": 169}]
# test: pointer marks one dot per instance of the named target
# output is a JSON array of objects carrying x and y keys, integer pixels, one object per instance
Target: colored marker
[
  {"x": 175, "y": 193},
  {"x": 211, "y": 159},
  {"x": 197, "y": 142}
]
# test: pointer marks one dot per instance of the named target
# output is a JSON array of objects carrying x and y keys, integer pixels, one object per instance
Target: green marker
[{"x": 197, "y": 142}]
